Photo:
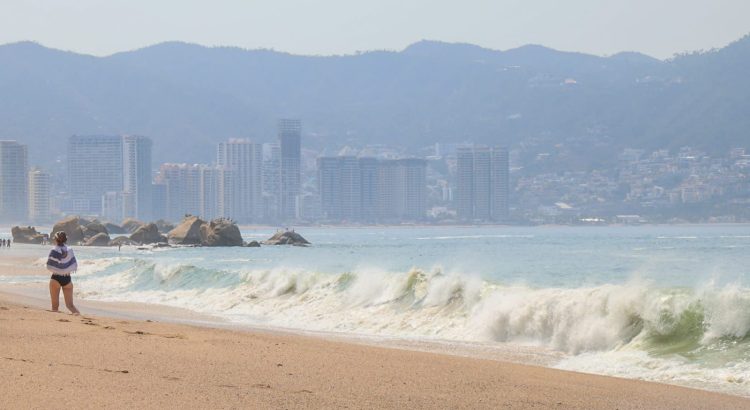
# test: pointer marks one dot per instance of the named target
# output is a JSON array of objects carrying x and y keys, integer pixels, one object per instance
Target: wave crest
[{"x": 431, "y": 303}]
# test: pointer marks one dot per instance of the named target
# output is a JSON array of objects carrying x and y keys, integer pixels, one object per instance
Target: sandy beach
[{"x": 95, "y": 361}]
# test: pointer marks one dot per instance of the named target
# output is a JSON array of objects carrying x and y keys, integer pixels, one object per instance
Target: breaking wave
[{"x": 707, "y": 327}]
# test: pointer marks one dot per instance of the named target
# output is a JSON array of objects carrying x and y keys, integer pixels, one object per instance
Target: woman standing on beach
[{"x": 61, "y": 262}]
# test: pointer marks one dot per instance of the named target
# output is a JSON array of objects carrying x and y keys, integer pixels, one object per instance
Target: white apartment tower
[
  {"x": 136, "y": 162},
  {"x": 289, "y": 132},
  {"x": 243, "y": 158},
  {"x": 39, "y": 196}
]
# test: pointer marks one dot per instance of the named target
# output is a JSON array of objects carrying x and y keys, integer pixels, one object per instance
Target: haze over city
[{"x": 375, "y": 204}]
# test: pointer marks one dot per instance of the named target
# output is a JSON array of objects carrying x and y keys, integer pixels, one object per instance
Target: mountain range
[{"x": 188, "y": 97}]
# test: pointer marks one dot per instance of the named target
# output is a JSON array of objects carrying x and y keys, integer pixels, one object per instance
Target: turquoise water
[{"x": 664, "y": 303}]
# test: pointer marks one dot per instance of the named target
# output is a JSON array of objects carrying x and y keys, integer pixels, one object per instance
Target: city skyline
[{"x": 369, "y": 185}]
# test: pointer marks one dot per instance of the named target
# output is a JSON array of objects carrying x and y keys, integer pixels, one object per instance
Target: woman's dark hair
[{"x": 61, "y": 237}]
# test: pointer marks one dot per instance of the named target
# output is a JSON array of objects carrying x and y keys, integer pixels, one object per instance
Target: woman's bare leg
[
  {"x": 68, "y": 294},
  {"x": 54, "y": 294}
]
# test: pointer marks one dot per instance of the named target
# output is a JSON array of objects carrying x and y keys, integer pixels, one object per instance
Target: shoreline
[
  {"x": 48, "y": 227},
  {"x": 327, "y": 372}
]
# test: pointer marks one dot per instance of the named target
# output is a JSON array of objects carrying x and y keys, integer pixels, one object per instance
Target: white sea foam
[{"x": 631, "y": 330}]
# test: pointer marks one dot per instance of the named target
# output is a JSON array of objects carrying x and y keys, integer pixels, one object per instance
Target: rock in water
[
  {"x": 73, "y": 228},
  {"x": 252, "y": 244},
  {"x": 221, "y": 232},
  {"x": 147, "y": 234},
  {"x": 100, "y": 239},
  {"x": 131, "y": 225},
  {"x": 92, "y": 229},
  {"x": 27, "y": 234},
  {"x": 287, "y": 238},
  {"x": 188, "y": 232}
]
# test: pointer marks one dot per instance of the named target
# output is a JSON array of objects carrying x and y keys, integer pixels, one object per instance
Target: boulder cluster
[
  {"x": 191, "y": 231},
  {"x": 27, "y": 234},
  {"x": 195, "y": 231},
  {"x": 286, "y": 238}
]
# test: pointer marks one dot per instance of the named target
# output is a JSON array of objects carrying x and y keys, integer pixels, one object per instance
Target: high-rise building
[
  {"x": 183, "y": 190},
  {"x": 13, "y": 181},
  {"x": 368, "y": 168},
  {"x": 351, "y": 188},
  {"x": 500, "y": 184},
  {"x": 389, "y": 189},
  {"x": 415, "y": 188},
  {"x": 245, "y": 159},
  {"x": 209, "y": 192},
  {"x": 114, "y": 205},
  {"x": 95, "y": 166},
  {"x": 329, "y": 187},
  {"x": 39, "y": 196},
  {"x": 464, "y": 194},
  {"x": 364, "y": 189},
  {"x": 39, "y": 190},
  {"x": 289, "y": 132},
  {"x": 271, "y": 180},
  {"x": 136, "y": 163},
  {"x": 482, "y": 185}
]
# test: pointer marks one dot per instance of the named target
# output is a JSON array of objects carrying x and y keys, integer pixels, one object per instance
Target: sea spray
[
  {"x": 641, "y": 328},
  {"x": 572, "y": 320}
]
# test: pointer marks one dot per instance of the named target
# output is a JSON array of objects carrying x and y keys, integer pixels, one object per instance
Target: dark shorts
[{"x": 61, "y": 279}]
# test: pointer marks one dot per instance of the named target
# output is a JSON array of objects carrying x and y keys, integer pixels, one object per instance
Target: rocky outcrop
[
  {"x": 73, "y": 228},
  {"x": 131, "y": 225},
  {"x": 27, "y": 234},
  {"x": 187, "y": 232},
  {"x": 164, "y": 226},
  {"x": 221, "y": 232},
  {"x": 195, "y": 231},
  {"x": 81, "y": 231},
  {"x": 92, "y": 229},
  {"x": 286, "y": 238},
  {"x": 252, "y": 244},
  {"x": 147, "y": 234},
  {"x": 122, "y": 241},
  {"x": 100, "y": 239},
  {"x": 114, "y": 229}
]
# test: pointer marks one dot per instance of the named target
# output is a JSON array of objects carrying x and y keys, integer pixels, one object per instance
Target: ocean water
[{"x": 661, "y": 303}]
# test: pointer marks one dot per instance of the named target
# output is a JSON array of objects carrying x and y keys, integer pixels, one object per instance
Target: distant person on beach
[{"x": 61, "y": 262}]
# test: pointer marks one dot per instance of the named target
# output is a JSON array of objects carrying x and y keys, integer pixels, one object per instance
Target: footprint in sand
[
  {"x": 63, "y": 320},
  {"x": 262, "y": 386}
]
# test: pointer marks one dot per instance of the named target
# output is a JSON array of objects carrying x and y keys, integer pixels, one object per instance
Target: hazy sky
[{"x": 656, "y": 27}]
